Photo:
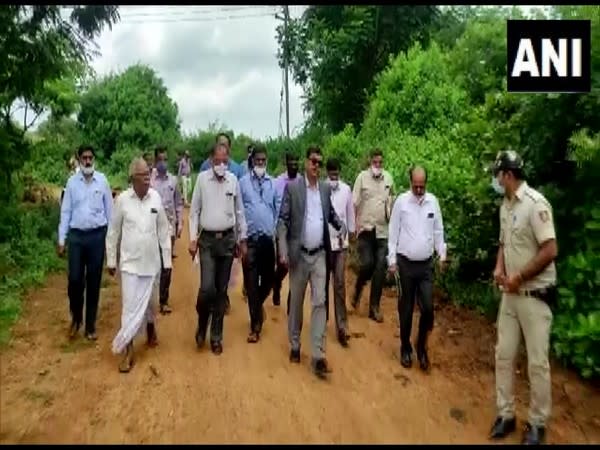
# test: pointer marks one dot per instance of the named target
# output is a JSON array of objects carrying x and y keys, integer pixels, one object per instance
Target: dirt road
[{"x": 53, "y": 391}]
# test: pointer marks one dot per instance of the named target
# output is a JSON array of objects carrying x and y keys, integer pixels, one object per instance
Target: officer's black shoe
[{"x": 423, "y": 361}]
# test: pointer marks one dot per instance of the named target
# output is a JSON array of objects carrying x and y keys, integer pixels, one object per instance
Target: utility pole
[{"x": 286, "y": 55}]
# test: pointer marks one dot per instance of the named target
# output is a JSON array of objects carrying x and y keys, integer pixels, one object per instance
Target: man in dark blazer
[{"x": 304, "y": 245}]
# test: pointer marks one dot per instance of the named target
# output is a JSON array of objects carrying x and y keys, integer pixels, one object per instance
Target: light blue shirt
[
  {"x": 85, "y": 206},
  {"x": 261, "y": 204},
  {"x": 232, "y": 166}
]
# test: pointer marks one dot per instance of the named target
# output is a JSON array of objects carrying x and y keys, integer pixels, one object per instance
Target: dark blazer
[{"x": 291, "y": 219}]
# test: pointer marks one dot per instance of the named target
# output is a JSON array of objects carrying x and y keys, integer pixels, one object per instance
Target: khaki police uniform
[{"x": 525, "y": 223}]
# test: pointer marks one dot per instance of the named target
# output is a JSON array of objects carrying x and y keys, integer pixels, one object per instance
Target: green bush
[{"x": 27, "y": 254}]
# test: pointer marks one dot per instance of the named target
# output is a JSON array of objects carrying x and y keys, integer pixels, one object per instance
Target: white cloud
[{"x": 214, "y": 67}]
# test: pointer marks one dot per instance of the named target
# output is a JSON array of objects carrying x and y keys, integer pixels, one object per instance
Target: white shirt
[
  {"x": 217, "y": 205},
  {"x": 416, "y": 228},
  {"x": 141, "y": 225},
  {"x": 313, "y": 218},
  {"x": 341, "y": 199}
]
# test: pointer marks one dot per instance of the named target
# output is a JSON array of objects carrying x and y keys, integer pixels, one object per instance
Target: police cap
[{"x": 506, "y": 160}]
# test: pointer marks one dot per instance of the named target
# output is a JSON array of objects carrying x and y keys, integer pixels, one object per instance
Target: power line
[
  {"x": 189, "y": 12},
  {"x": 197, "y": 19}
]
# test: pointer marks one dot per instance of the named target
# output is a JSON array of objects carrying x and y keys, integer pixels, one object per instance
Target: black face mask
[{"x": 292, "y": 172}]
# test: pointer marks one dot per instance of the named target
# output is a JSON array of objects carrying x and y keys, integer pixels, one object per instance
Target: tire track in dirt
[{"x": 55, "y": 392}]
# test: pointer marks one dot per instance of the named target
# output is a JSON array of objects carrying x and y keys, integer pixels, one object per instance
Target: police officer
[{"x": 526, "y": 274}]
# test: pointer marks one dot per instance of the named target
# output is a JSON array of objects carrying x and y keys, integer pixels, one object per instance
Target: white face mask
[
  {"x": 259, "y": 171},
  {"x": 334, "y": 184},
  {"x": 376, "y": 171},
  {"x": 497, "y": 187},
  {"x": 87, "y": 170},
  {"x": 220, "y": 170}
]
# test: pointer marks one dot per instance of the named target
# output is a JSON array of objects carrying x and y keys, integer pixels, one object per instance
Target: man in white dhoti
[{"x": 140, "y": 222}]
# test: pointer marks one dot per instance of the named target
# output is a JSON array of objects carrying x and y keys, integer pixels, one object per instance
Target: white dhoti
[{"x": 138, "y": 293}]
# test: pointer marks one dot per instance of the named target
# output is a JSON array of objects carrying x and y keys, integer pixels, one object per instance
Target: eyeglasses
[{"x": 316, "y": 162}]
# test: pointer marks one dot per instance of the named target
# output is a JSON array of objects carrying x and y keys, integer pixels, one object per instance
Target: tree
[
  {"x": 335, "y": 51},
  {"x": 43, "y": 54},
  {"x": 128, "y": 109}
]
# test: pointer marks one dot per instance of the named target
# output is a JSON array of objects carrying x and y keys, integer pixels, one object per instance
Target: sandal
[{"x": 128, "y": 361}]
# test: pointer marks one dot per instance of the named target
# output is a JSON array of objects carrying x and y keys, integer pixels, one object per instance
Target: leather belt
[
  {"x": 218, "y": 234},
  {"x": 311, "y": 251}
]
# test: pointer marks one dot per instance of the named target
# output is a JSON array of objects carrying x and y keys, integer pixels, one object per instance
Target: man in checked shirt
[{"x": 166, "y": 185}]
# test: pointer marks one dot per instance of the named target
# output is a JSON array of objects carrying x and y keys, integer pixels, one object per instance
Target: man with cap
[{"x": 526, "y": 274}]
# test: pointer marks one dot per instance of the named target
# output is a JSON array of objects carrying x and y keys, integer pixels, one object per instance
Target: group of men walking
[{"x": 301, "y": 225}]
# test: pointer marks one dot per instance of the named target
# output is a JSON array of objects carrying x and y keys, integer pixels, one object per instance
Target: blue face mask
[{"x": 497, "y": 187}]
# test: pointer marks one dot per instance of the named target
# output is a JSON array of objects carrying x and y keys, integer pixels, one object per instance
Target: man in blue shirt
[
  {"x": 261, "y": 206},
  {"x": 232, "y": 166},
  {"x": 84, "y": 216}
]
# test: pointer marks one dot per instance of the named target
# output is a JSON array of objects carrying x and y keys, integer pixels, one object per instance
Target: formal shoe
[
  {"x": 151, "y": 334},
  {"x": 216, "y": 347},
  {"x": 533, "y": 435},
  {"x": 423, "y": 361},
  {"x": 503, "y": 427},
  {"x": 91, "y": 336},
  {"x": 343, "y": 338},
  {"x": 376, "y": 316},
  {"x": 295, "y": 356},
  {"x": 165, "y": 309},
  {"x": 406, "y": 359},
  {"x": 276, "y": 299},
  {"x": 200, "y": 339},
  {"x": 74, "y": 329},
  {"x": 321, "y": 368}
]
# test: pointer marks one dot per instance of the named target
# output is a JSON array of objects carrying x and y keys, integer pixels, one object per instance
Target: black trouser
[
  {"x": 216, "y": 258},
  {"x": 86, "y": 258},
  {"x": 372, "y": 254},
  {"x": 336, "y": 269},
  {"x": 280, "y": 274},
  {"x": 260, "y": 272},
  {"x": 416, "y": 278},
  {"x": 165, "y": 278}
]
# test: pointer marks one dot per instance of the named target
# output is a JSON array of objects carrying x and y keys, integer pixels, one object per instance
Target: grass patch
[{"x": 27, "y": 254}]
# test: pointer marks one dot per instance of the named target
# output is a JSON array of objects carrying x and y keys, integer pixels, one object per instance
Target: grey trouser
[{"x": 308, "y": 267}]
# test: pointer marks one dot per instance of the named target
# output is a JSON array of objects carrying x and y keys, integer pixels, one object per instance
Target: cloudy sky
[{"x": 219, "y": 63}]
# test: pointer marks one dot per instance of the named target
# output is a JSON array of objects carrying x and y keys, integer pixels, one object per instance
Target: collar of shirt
[
  {"x": 94, "y": 176},
  {"x": 134, "y": 194},
  {"x": 308, "y": 186},
  {"x": 520, "y": 192},
  {"x": 419, "y": 200},
  {"x": 266, "y": 176}
]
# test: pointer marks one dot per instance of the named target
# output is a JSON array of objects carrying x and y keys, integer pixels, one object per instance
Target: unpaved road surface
[{"x": 53, "y": 391}]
